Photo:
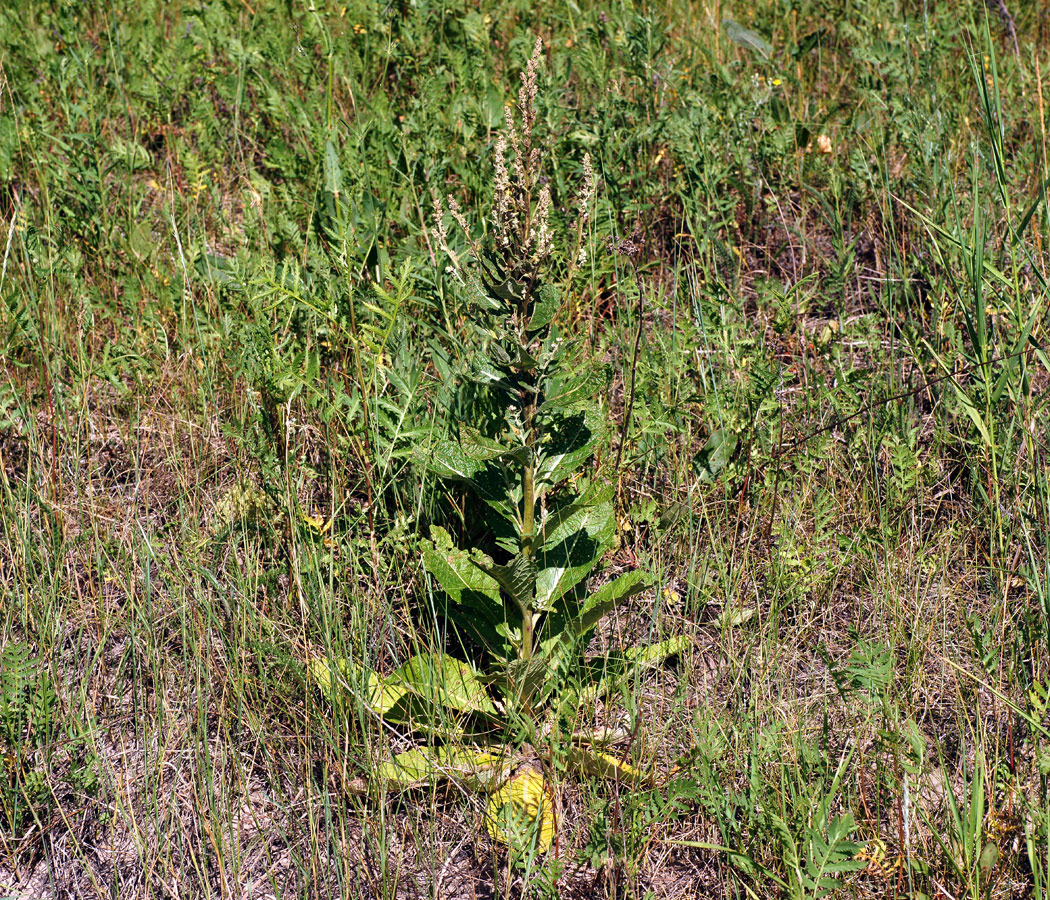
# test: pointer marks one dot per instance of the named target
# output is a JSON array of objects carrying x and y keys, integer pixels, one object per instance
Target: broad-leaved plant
[{"x": 528, "y": 416}]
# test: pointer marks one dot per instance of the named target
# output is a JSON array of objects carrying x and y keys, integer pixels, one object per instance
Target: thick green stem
[
  {"x": 528, "y": 515},
  {"x": 526, "y": 633},
  {"x": 528, "y": 527}
]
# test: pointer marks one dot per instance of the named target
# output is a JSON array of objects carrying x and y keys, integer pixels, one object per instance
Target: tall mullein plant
[
  {"x": 527, "y": 418},
  {"x": 528, "y": 421}
]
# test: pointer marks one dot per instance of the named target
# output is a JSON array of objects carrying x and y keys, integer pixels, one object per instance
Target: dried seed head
[
  {"x": 587, "y": 189},
  {"x": 527, "y": 94},
  {"x": 540, "y": 233},
  {"x": 628, "y": 246},
  {"x": 502, "y": 211},
  {"x": 441, "y": 231},
  {"x": 457, "y": 214},
  {"x": 515, "y": 144}
]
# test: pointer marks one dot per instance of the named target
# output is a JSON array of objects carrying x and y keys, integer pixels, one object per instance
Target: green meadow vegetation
[{"x": 505, "y": 449}]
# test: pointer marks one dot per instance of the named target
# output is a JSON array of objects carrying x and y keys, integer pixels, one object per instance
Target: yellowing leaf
[
  {"x": 319, "y": 672},
  {"x": 441, "y": 679},
  {"x": 426, "y": 765},
  {"x": 521, "y": 805},
  {"x": 731, "y": 618},
  {"x": 601, "y": 765},
  {"x": 379, "y": 694},
  {"x": 317, "y": 523}
]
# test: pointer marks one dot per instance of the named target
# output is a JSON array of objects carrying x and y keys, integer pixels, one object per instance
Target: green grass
[{"x": 224, "y": 310}]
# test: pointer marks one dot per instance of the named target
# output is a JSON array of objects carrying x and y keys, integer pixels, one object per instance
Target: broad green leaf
[
  {"x": 479, "y": 447},
  {"x": 573, "y": 392},
  {"x": 474, "y": 596},
  {"x": 508, "y": 290},
  {"x": 600, "y": 737},
  {"x": 518, "y": 357},
  {"x": 733, "y": 616},
  {"x": 745, "y": 37},
  {"x": 484, "y": 370},
  {"x": 570, "y": 442},
  {"x": 555, "y": 517},
  {"x": 333, "y": 173},
  {"x": 545, "y": 308},
  {"x": 614, "y": 669},
  {"x": 518, "y": 579},
  {"x": 319, "y": 672},
  {"x": 521, "y": 679},
  {"x": 482, "y": 468},
  {"x": 715, "y": 455},
  {"x": 456, "y": 570},
  {"x": 461, "y": 461},
  {"x": 653, "y": 654},
  {"x": 566, "y": 628},
  {"x": 608, "y": 597},
  {"x": 441, "y": 679},
  {"x": 594, "y": 507},
  {"x": 572, "y": 551},
  {"x": 567, "y": 631}
]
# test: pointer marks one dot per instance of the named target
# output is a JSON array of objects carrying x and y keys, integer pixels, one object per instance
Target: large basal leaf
[
  {"x": 426, "y": 765},
  {"x": 521, "y": 813},
  {"x": 442, "y": 680},
  {"x": 572, "y": 551},
  {"x": 380, "y": 695},
  {"x": 598, "y": 764}
]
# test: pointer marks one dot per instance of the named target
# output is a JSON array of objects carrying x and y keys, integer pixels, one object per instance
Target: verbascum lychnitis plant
[{"x": 527, "y": 418}]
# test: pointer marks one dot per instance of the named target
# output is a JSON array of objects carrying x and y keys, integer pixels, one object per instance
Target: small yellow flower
[{"x": 777, "y": 82}]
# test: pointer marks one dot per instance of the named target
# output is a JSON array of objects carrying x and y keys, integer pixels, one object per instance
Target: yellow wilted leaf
[
  {"x": 317, "y": 523},
  {"x": 599, "y": 764},
  {"x": 521, "y": 804},
  {"x": 380, "y": 695}
]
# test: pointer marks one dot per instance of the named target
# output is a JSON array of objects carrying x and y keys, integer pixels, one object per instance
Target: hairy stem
[{"x": 528, "y": 528}]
